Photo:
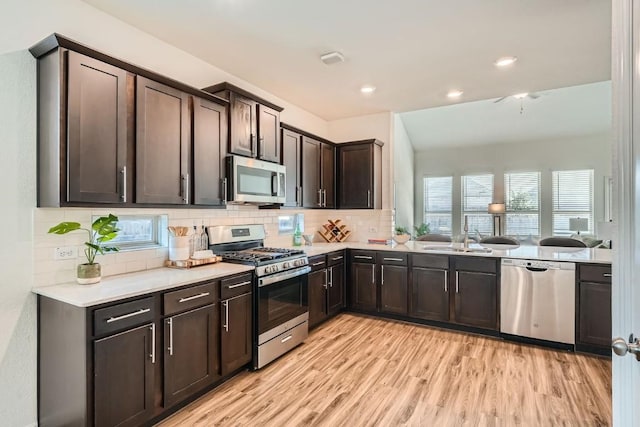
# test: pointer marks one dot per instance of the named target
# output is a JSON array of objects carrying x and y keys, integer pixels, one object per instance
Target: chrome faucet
[{"x": 466, "y": 233}]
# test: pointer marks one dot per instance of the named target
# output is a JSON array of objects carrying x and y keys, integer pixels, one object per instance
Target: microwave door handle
[{"x": 274, "y": 183}]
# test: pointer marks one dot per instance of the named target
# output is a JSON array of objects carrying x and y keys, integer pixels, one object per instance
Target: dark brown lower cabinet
[
  {"x": 235, "y": 343},
  {"x": 363, "y": 286},
  {"x": 191, "y": 359},
  {"x": 429, "y": 294},
  {"x": 317, "y": 286},
  {"x": 124, "y": 378},
  {"x": 594, "y": 321},
  {"x": 476, "y": 299},
  {"x": 335, "y": 292},
  {"x": 393, "y": 289}
]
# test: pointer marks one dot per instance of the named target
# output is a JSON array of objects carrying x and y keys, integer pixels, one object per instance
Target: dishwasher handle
[{"x": 536, "y": 269}]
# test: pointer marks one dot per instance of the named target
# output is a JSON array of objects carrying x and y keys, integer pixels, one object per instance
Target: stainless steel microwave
[{"x": 255, "y": 181}]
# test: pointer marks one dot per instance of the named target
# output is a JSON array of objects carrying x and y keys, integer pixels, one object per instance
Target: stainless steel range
[{"x": 281, "y": 311}]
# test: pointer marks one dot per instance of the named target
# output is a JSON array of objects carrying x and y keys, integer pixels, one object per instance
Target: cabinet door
[
  {"x": 243, "y": 126},
  {"x": 209, "y": 141},
  {"x": 476, "y": 299},
  {"x": 291, "y": 159},
  {"x": 317, "y": 286},
  {"x": 97, "y": 133},
  {"x": 328, "y": 176},
  {"x": 236, "y": 333},
  {"x": 163, "y": 130},
  {"x": 191, "y": 359},
  {"x": 429, "y": 294},
  {"x": 311, "y": 197},
  {"x": 393, "y": 289},
  {"x": 123, "y": 377},
  {"x": 356, "y": 166},
  {"x": 335, "y": 297},
  {"x": 595, "y": 314},
  {"x": 363, "y": 287},
  {"x": 268, "y": 134}
]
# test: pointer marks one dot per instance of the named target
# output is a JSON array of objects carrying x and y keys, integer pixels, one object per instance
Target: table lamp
[
  {"x": 578, "y": 224},
  {"x": 496, "y": 209}
]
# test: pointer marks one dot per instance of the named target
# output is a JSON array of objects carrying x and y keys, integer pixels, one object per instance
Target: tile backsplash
[{"x": 362, "y": 223}]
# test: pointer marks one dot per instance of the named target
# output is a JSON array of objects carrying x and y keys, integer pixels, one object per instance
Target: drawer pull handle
[
  {"x": 338, "y": 258},
  {"x": 606, "y": 274},
  {"x": 285, "y": 339},
  {"x": 191, "y": 298},
  {"x": 362, "y": 257},
  {"x": 317, "y": 263},
  {"x": 248, "y": 282},
  {"x": 125, "y": 316},
  {"x": 393, "y": 259}
]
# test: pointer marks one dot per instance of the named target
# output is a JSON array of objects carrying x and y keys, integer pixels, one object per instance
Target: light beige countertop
[
  {"x": 114, "y": 288},
  {"x": 547, "y": 253}
]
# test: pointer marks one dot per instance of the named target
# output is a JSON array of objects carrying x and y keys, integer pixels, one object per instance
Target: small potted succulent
[
  {"x": 102, "y": 230},
  {"x": 401, "y": 236}
]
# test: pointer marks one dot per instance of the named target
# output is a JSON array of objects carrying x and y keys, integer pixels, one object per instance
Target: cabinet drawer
[
  {"x": 363, "y": 256},
  {"x": 123, "y": 316},
  {"x": 189, "y": 298},
  {"x": 318, "y": 262},
  {"x": 334, "y": 258},
  {"x": 440, "y": 262},
  {"x": 236, "y": 285},
  {"x": 481, "y": 265},
  {"x": 393, "y": 258},
  {"x": 595, "y": 273}
]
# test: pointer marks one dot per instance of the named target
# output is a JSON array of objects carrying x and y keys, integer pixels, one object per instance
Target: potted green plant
[
  {"x": 422, "y": 229},
  {"x": 102, "y": 230},
  {"x": 402, "y": 235}
]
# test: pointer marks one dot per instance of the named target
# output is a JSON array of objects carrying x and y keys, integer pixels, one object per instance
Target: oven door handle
[{"x": 264, "y": 281}]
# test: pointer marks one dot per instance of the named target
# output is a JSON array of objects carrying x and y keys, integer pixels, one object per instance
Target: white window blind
[
  {"x": 477, "y": 193},
  {"x": 522, "y": 200},
  {"x": 572, "y": 198},
  {"x": 139, "y": 231},
  {"x": 437, "y": 204}
]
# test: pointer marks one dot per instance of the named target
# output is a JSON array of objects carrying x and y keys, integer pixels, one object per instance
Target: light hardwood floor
[{"x": 357, "y": 371}]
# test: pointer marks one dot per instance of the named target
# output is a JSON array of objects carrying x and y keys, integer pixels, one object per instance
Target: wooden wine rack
[{"x": 334, "y": 232}]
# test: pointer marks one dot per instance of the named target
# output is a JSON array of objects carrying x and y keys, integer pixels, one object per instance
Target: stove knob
[
  {"x": 267, "y": 269},
  {"x": 285, "y": 265},
  {"x": 274, "y": 268}
]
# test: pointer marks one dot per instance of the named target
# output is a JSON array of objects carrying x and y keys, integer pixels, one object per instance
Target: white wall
[
  {"x": 403, "y": 175},
  {"x": 588, "y": 152},
  {"x": 378, "y": 126},
  {"x": 17, "y": 304}
]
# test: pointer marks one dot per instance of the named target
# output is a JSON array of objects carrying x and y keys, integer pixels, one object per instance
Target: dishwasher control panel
[{"x": 538, "y": 264}]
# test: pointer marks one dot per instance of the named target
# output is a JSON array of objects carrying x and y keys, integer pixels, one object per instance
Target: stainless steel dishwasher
[{"x": 537, "y": 299}]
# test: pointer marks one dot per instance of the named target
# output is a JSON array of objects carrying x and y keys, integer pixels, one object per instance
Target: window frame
[
  {"x": 159, "y": 234},
  {"x": 480, "y": 212},
  {"x": 425, "y": 212},
  {"x": 573, "y": 213},
  {"x": 507, "y": 198}
]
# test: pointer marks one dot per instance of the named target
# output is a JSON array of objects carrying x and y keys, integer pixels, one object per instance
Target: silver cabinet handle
[
  {"x": 606, "y": 275},
  {"x": 373, "y": 273},
  {"x": 298, "y": 195},
  {"x": 457, "y": 283},
  {"x": 382, "y": 275},
  {"x": 224, "y": 191},
  {"x": 337, "y": 258},
  {"x": 153, "y": 343},
  {"x": 368, "y": 198},
  {"x": 124, "y": 184},
  {"x": 170, "y": 348},
  {"x": 248, "y": 282},
  {"x": 326, "y": 279},
  {"x": 285, "y": 339},
  {"x": 126, "y": 316},
  {"x": 226, "y": 315},
  {"x": 324, "y": 198},
  {"x": 186, "y": 201},
  {"x": 185, "y": 188},
  {"x": 252, "y": 142},
  {"x": 320, "y": 198},
  {"x": 191, "y": 298},
  {"x": 393, "y": 259},
  {"x": 446, "y": 281},
  {"x": 331, "y": 277},
  {"x": 362, "y": 257},
  {"x": 317, "y": 263},
  {"x": 261, "y": 147}
]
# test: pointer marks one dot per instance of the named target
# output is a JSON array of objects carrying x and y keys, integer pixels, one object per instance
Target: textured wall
[{"x": 17, "y": 304}]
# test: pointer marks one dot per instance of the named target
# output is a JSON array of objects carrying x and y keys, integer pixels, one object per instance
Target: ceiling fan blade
[
  {"x": 533, "y": 96},
  {"x": 500, "y": 99}
]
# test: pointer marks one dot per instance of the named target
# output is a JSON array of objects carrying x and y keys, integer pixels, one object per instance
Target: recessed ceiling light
[
  {"x": 455, "y": 93},
  {"x": 520, "y": 95},
  {"x": 366, "y": 89},
  {"x": 505, "y": 61}
]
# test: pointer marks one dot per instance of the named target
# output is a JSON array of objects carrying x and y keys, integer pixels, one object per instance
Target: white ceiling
[
  {"x": 558, "y": 113},
  {"x": 413, "y": 51}
]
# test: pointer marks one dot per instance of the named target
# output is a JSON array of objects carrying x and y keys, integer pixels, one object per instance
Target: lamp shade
[
  {"x": 578, "y": 224},
  {"x": 496, "y": 208}
]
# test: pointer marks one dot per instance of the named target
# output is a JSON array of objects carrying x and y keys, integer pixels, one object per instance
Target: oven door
[{"x": 282, "y": 297}]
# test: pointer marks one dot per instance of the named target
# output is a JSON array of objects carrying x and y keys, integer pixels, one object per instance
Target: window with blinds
[
  {"x": 572, "y": 198},
  {"x": 438, "y": 199},
  {"x": 522, "y": 204},
  {"x": 477, "y": 193}
]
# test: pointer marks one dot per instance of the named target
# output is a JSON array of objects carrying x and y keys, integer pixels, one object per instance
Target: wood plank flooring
[{"x": 361, "y": 371}]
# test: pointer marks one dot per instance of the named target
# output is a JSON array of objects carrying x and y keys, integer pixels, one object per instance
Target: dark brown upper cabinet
[
  {"x": 318, "y": 173},
  {"x": 110, "y": 132},
  {"x": 291, "y": 158},
  {"x": 210, "y": 138},
  {"x": 360, "y": 175},
  {"x": 254, "y": 123},
  {"x": 163, "y": 132}
]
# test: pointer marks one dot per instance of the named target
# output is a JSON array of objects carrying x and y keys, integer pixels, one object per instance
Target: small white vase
[{"x": 88, "y": 274}]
